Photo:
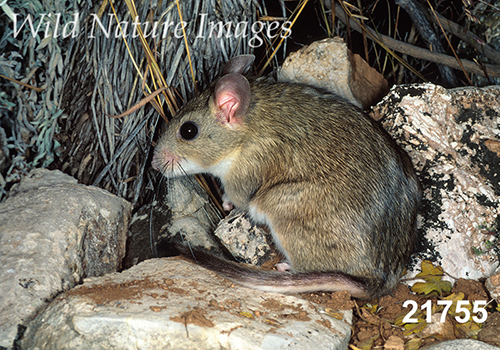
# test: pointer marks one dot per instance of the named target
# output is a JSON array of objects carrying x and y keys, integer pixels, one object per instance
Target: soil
[{"x": 375, "y": 324}]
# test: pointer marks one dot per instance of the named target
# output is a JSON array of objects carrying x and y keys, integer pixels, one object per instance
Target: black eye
[{"x": 189, "y": 131}]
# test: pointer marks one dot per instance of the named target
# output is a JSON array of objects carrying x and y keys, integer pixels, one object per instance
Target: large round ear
[
  {"x": 231, "y": 99},
  {"x": 239, "y": 64}
]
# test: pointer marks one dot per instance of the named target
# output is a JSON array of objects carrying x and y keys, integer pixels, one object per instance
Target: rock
[
  {"x": 192, "y": 213},
  {"x": 490, "y": 331},
  {"x": 493, "y": 286},
  {"x": 444, "y": 330},
  {"x": 245, "y": 241},
  {"x": 146, "y": 233},
  {"x": 471, "y": 289},
  {"x": 53, "y": 233},
  {"x": 452, "y": 138},
  {"x": 330, "y": 65},
  {"x": 181, "y": 208},
  {"x": 173, "y": 304},
  {"x": 468, "y": 344}
]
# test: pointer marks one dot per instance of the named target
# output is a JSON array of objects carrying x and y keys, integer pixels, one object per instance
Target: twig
[
  {"x": 493, "y": 71},
  {"x": 470, "y": 38},
  {"x": 418, "y": 17},
  {"x": 449, "y": 43},
  {"x": 376, "y": 37},
  {"x": 188, "y": 52}
]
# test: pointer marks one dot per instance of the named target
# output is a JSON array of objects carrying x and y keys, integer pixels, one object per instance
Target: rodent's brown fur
[{"x": 337, "y": 192}]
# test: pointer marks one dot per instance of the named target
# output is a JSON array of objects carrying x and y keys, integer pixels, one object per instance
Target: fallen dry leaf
[{"x": 394, "y": 343}]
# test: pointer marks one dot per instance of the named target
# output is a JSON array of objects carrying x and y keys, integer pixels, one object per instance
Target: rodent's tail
[{"x": 282, "y": 282}]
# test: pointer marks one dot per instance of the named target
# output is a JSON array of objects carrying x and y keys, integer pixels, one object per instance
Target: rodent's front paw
[
  {"x": 283, "y": 267},
  {"x": 226, "y": 204}
]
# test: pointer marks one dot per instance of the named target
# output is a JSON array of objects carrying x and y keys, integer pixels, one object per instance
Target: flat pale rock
[
  {"x": 170, "y": 303},
  {"x": 468, "y": 344},
  {"x": 330, "y": 65}
]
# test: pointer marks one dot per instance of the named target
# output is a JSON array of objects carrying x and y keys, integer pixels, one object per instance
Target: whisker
[
  {"x": 168, "y": 168},
  {"x": 195, "y": 183}
]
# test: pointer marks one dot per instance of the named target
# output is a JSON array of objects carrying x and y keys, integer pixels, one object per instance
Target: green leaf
[{"x": 432, "y": 277}]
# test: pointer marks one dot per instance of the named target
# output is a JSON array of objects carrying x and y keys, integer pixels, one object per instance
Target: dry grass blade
[
  {"x": 203, "y": 183},
  {"x": 388, "y": 43},
  {"x": 295, "y": 16},
  {"x": 184, "y": 36},
  {"x": 37, "y": 89},
  {"x": 449, "y": 43},
  {"x": 141, "y": 104},
  {"x": 344, "y": 14},
  {"x": 325, "y": 20},
  {"x": 153, "y": 67}
]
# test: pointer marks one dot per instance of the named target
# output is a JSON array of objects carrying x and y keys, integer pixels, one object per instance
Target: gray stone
[
  {"x": 245, "y": 241},
  {"x": 180, "y": 209},
  {"x": 493, "y": 285},
  {"x": 490, "y": 332},
  {"x": 453, "y": 138},
  {"x": 468, "y": 344},
  {"x": 54, "y": 232},
  {"x": 173, "y": 304},
  {"x": 192, "y": 214}
]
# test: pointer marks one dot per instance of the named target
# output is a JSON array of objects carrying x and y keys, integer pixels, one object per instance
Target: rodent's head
[{"x": 204, "y": 137}]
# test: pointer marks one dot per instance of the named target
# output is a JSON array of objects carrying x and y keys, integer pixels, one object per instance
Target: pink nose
[{"x": 162, "y": 158}]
